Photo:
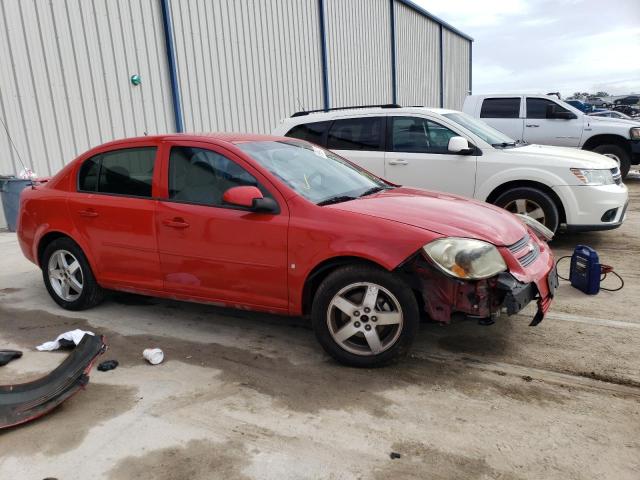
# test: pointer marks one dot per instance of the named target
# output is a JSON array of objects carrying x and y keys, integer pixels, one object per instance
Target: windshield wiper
[
  {"x": 336, "y": 199},
  {"x": 503, "y": 144},
  {"x": 373, "y": 190}
]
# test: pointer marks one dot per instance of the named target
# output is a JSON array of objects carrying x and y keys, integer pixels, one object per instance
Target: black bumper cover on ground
[{"x": 28, "y": 401}]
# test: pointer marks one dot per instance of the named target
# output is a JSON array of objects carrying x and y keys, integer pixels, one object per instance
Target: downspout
[
  {"x": 171, "y": 61},
  {"x": 323, "y": 51},
  {"x": 441, "y": 67},
  {"x": 470, "y": 67},
  {"x": 394, "y": 87}
]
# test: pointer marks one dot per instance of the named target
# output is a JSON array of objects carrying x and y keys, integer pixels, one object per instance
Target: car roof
[
  {"x": 225, "y": 137},
  {"x": 357, "y": 112}
]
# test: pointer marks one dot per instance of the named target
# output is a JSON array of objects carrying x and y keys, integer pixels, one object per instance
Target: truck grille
[{"x": 532, "y": 251}]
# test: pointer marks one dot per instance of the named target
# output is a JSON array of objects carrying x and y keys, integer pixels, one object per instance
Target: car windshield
[
  {"x": 485, "y": 132},
  {"x": 315, "y": 173}
]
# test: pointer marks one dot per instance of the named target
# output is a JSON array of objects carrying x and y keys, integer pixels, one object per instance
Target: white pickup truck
[{"x": 547, "y": 120}]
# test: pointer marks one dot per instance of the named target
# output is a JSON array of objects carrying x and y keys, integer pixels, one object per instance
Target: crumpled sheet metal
[{"x": 27, "y": 401}]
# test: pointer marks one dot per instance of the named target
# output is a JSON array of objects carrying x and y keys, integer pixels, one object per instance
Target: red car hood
[{"x": 443, "y": 213}]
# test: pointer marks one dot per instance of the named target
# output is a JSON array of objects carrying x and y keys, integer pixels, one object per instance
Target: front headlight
[
  {"x": 465, "y": 258},
  {"x": 634, "y": 133},
  {"x": 590, "y": 176}
]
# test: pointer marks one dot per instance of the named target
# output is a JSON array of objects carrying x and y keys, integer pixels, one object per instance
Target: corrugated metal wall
[
  {"x": 359, "y": 52},
  {"x": 456, "y": 69},
  {"x": 417, "y": 58},
  {"x": 244, "y": 65},
  {"x": 64, "y": 77}
]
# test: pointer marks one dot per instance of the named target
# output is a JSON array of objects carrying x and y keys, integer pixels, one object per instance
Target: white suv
[
  {"x": 547, "y": 120},
  {"x": 450, "y": 151}
]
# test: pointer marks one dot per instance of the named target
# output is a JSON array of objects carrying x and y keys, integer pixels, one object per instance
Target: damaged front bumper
[
  {"x": 27, "y": 401},
  {"x": 444, "y": 296}
]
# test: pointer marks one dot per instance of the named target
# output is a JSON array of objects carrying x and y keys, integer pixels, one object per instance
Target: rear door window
[
  {"x": 363, "y": 133},
  {"x": 311, "y": 132},
  {"x": 127, "y": 171},
  {"x": 500, "y": 108}
]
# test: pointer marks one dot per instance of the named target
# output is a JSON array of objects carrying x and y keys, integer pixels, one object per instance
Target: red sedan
[{"x": 279, "y": 225}]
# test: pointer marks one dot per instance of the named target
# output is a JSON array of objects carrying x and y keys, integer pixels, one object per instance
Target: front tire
[
  {"x": 617, "y": 153},
  {"x": 68, "y": 276},
  {"x": 531, "y": 202},
  {"x": 365, "y": 316}
]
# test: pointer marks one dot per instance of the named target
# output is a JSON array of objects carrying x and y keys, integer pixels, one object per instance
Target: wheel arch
[
  {"x": 317, "y": 275},
  {"x": 52, "y": 235},
  {"x": 499, "y": 190},
  {"x": 606, "y": 139}
]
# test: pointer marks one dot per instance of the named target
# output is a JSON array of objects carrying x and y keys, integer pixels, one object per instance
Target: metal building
[{"x": 227, "y": 65}]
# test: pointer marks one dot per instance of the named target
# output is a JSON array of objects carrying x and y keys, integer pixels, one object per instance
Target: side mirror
[
  {"x": 553, "y": 113},
  {"x": 459, "y": 145},
  {"x": 249, "y": 197}
]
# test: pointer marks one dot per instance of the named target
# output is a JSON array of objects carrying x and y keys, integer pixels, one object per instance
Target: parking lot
[{"x": 244, "y": 395}]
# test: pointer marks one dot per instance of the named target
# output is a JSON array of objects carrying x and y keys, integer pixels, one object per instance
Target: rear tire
[
  {"x": 532, "y": 202},
  {"x": 376, "y": 321},
  {"x": 617, "y": 153},
  {"x": 68, "y": 276}
]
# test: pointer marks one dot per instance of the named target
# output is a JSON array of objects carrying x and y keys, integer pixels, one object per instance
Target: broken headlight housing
[{"x": 465, "y": 258}]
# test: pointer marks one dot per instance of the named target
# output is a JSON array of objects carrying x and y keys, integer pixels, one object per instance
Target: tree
[{"x": 602, "y": 94}]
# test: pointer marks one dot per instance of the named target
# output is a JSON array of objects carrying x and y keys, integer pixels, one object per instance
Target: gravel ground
[{"x": 244, "y": 395}]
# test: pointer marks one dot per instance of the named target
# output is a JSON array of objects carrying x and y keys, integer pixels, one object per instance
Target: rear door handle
[
  {"x": 398, "y": 162},
  {"x": 88, "y": 213},
  {"x": 532, "y": 125},
  {"x": 175, "y": 223}
]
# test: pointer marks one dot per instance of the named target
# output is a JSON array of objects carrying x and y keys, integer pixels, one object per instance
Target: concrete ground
[{"x": 253, "y": 396}]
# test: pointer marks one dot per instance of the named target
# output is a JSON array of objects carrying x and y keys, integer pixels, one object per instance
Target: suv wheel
[
  {"x": 531, "y": 202},
  {"x": 618, "y": 153},
  {"x": 68, "y": 276},
  {"x": 364, "y": 316}
]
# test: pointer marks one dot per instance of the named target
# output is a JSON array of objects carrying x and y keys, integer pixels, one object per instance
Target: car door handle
[
  {"x": 175, "y": 223},
  {"x": 88, "y": 213},
  {"x": 398, "y": 162},
  {"x": 532, "y": 125}
]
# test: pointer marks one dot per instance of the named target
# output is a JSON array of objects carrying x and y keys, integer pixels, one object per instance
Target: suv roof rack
[{"x": 307, "y": 112}]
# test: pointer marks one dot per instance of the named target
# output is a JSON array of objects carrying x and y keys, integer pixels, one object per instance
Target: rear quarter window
[
  {"x": 500, "y": 108},
  {"x": 311, "y": 132}
]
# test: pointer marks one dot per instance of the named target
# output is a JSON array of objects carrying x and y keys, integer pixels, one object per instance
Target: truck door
[{"x": 541, "y": 129}]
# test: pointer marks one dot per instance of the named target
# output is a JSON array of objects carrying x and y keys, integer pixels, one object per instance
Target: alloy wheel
[
  {"x": 365, "y": 318},
  {"x": 65, "y": 275},
  {"x": 527, "y": 207}
]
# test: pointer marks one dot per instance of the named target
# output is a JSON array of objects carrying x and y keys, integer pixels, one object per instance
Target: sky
[{"x": 540, "y": 46}]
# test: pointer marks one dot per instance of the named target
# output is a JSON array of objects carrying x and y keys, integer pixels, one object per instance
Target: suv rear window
[
  {"x": 364, "y": 133},
  {"x": 500, "y": 108},
  {"x": 311, "y": 132},
  {"x": 121, "y": 172}
]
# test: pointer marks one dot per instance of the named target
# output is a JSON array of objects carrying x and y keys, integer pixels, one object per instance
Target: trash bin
[{"x": 10, "y": 188}]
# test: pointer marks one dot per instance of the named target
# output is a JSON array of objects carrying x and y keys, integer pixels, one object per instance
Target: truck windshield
[{"x": 489, "y": 134}]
